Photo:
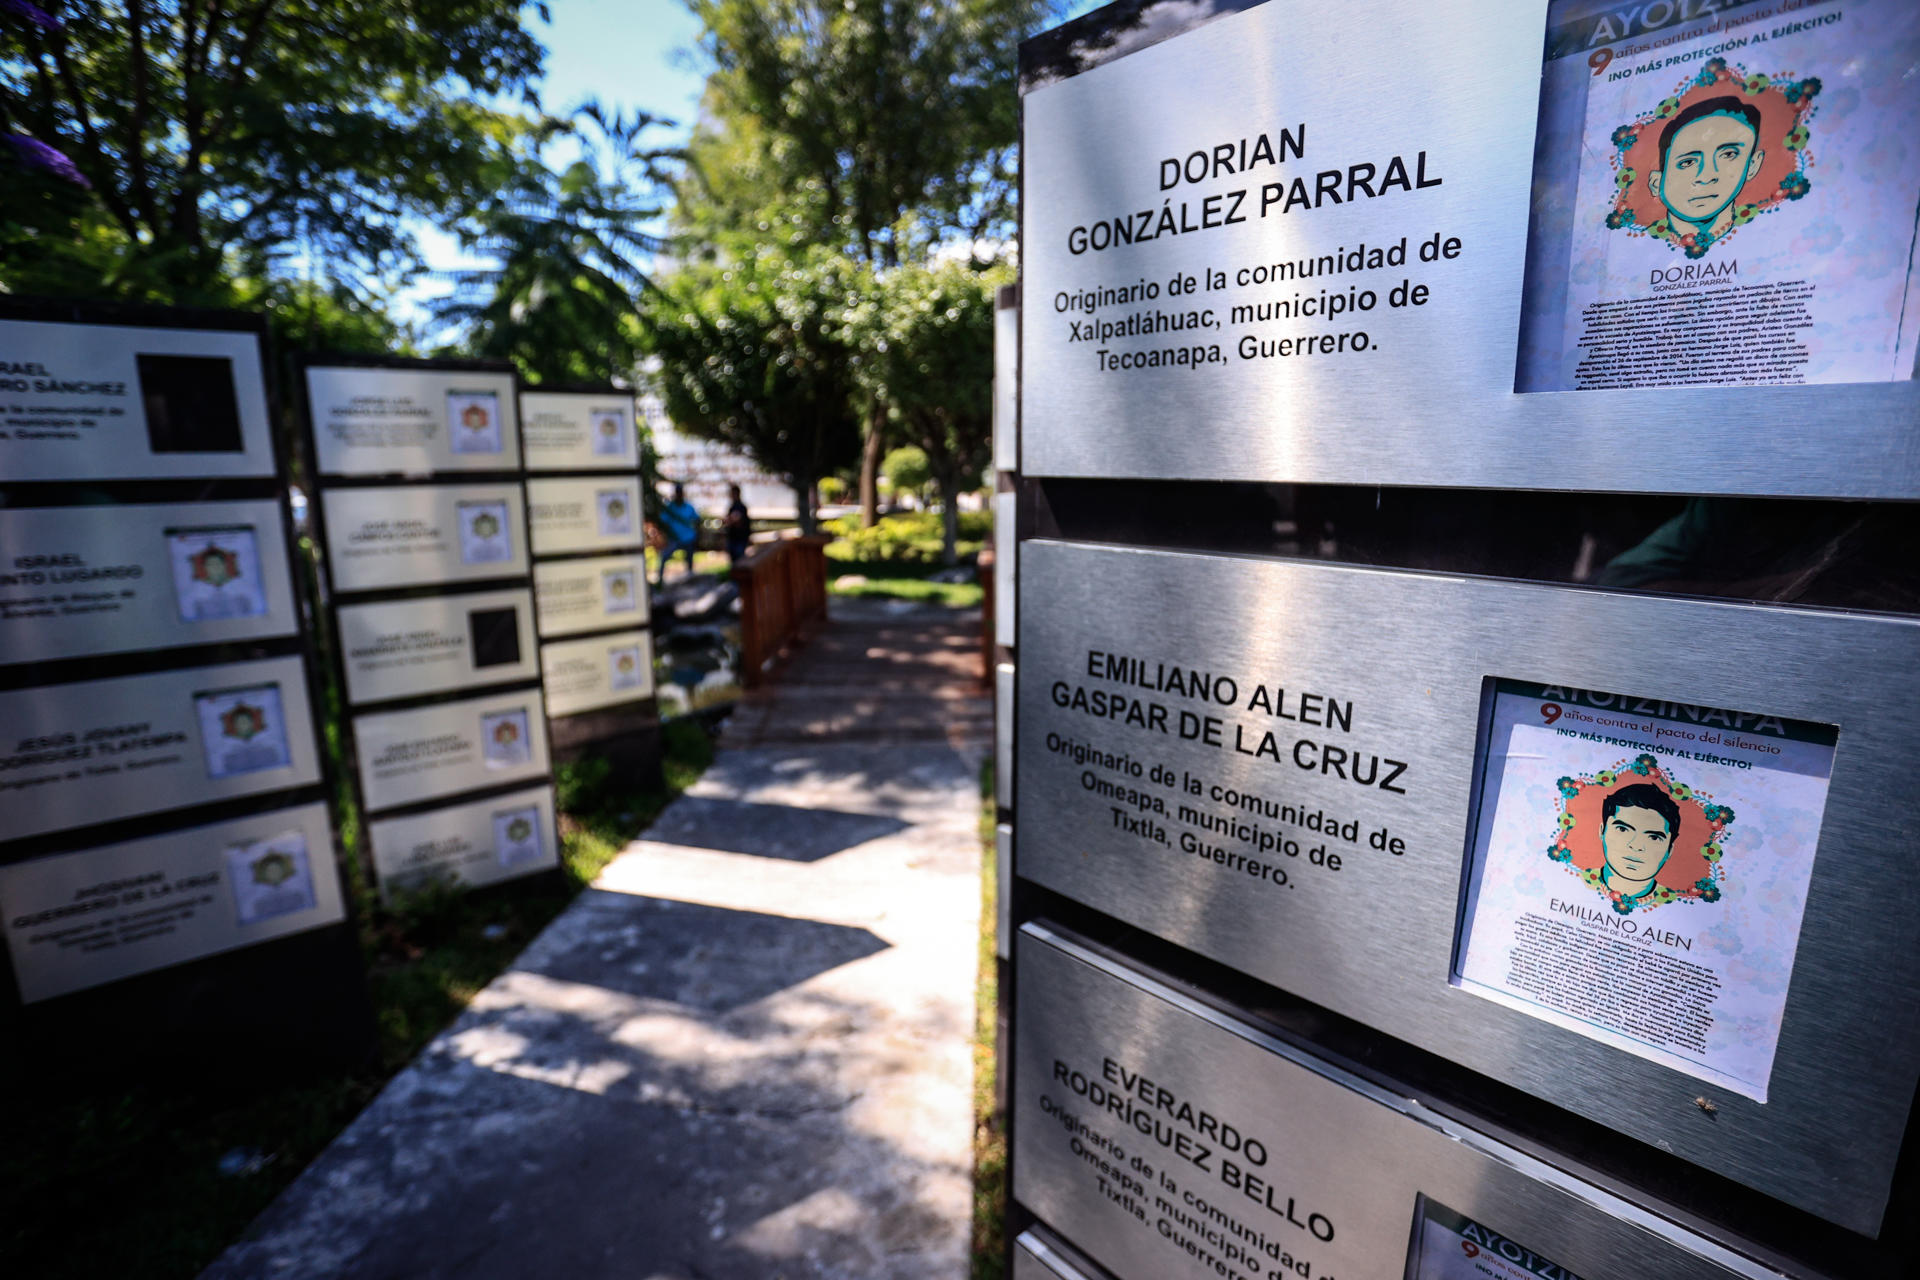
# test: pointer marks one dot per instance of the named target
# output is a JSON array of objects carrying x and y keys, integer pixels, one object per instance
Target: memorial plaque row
[
  {"x": 1591, "y": 845},
  {"x": 1167, "y": 1140},
  {"x": 1287, "y": 268},
  {"x": 193, "y": 578}
]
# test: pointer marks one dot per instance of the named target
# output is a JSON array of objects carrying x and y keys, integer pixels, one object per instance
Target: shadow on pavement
[
  {"x": 790, "y": 832},
  {"x": 711, "y": 959}
]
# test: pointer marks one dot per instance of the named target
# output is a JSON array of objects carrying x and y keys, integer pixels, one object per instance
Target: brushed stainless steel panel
[
  {"x": 417, "y": 421},
  {"x": 578, "y": 431},
  {"x": 1373, "y": 940},
  {"x": 1432, "y": 401},
  {"x": 1040, "y": 1257},
  {"x": 1003, "y": 735},
  {"x": 99, "y": 750},
  {"x": 1006, "y": 388},
  {"x": 1006, "y": 551},
  {"x": 141, "y": 577},
  {"x": 98, "y": 429},
  {"x": 1003, "y": 890},
  {"x": 1340, "y": 1161},
  {"x": 179, "y": 896}
]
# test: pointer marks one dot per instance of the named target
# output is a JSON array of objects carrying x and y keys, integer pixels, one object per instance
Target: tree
[
  {"x": 570, "y": 248},
  {"x": 890, "y": 120},
  {"x": 753, "y": 354},
  {"x": 213, "y": 140},
  {"x": 906, "y": 467},
  {"x": 926, "y": 338}
]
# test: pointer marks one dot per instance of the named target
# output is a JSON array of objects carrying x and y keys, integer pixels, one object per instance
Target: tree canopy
[{"x": 161, "y": 149}]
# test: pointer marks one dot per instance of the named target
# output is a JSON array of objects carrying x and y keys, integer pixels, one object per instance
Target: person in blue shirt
[{"x": 680, "y": 521}]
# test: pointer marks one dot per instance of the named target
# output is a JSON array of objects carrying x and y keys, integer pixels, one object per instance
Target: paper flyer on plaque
[
  {"x": 605, "y": 671},
  {"x": 412, "y": 421},
  {"x": 114, "y": 402},
  {"x": 579, "y": 431},
  {"x": 1451, "y": 1246},
  {"x": 1725, "y": 198},
  {"x": 584, "y": 515},
  {"x": 78, "y": 920},
  {"x": 450, "y": 747},
  {"x": 1640, "y": 871},
  {"x": 469, "y": 844},
  {"x": 418, "y": 535},
  {"x": 79, "y": 581},
  {"x": 400, "y": 648},
  {"x": 594, "y": 594},
  {"x": 97, "y": 750}
]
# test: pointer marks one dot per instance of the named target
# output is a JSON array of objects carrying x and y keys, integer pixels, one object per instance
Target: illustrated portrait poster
[
  {"x": 1728, "y": 200},
  {"x": 1640, "y": 871}
]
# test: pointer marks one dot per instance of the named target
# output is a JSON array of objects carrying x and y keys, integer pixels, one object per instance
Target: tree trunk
[
  {"x": 870, "y": 455},
  {"x": 803, "y": 503},
  {"x": 949, "y": 521}
]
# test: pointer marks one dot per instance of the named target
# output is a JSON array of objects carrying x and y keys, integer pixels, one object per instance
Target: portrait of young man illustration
[
  {"x": 1640, "y": 837},
  {"x": 1724, "y": 148},
  {"x": 1638, "y": 825},
  {"x": 1707, "y": 153}
]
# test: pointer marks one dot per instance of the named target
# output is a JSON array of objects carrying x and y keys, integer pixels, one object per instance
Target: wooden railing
[{"x": 783, "y": 587}]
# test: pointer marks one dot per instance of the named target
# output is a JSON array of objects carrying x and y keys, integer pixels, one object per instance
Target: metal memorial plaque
[
  {"x": 604, "y": 671},
  {"x": 585, "y": 515},
  {"x": 1247, "y": 256},
  {"x": 78, "y": 920},
  {"x": 1168, "y": 1140},
  {"x": 1261, "y": 761},
  {"x": 369, "y": 422},
  {"x": 130, "y": 402},
  {"x": 1006, "y": 386},
  {"x": 97, "y": 750},
  {"x": 471, "y": 844},
  {"x": 1003, "y": 691},
  {"x": 80, "y": 581},
  {"x": 451, "y": 747},
  {"x": 1037, "y": 1257},
  {"x": 1006, "y": 549},
  {"x": 579, "y": 431},
  {"x": 401, "y": 648},
  {"x": 594, "y": 594},
  {"x": 420, "y": 535}
]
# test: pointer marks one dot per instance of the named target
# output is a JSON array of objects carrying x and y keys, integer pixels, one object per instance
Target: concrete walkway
[{"x": 743, "y": 1054}]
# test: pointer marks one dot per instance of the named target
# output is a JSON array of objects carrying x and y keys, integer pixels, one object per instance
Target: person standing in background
[
  {"x": 680, "y": 521},
  {"x": 739, "y": 526}
]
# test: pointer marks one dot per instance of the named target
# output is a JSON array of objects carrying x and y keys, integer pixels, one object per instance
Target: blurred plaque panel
[
  {"x": 584, "y": 515},
  {"x": 1167, "y": 1140},
  {"x": 450, "y": 747},
  {"x": 400, "y": 648},
  {"x": 127, "y": 402},
  {"x": 579, "y": 431},
  {"x": 423, "y": 535},
  {"x": 470, "y": 844},
  {"x": 97, "y": 750},
  {"x": 1272, "y": 763},
  {"x": 591, "y": 594},
  {"x": 369, "y": 422},
  {"x": 1038, "y": 1255},
  {"x": 1259, "y": 268},
  {"x": 79, "y": 581},
  {"x": 603, "y": 671},
  {"x": 77, "y": 920}
]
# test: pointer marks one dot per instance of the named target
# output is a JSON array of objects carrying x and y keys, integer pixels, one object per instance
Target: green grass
[
  {"x": 124, "y": 1181},
  {"x": 957, "y": 595},
  {"x": 989, "y": 1124}
]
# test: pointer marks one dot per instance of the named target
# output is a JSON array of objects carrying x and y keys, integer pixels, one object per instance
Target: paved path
[{"x": 742, "y": 1055}]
